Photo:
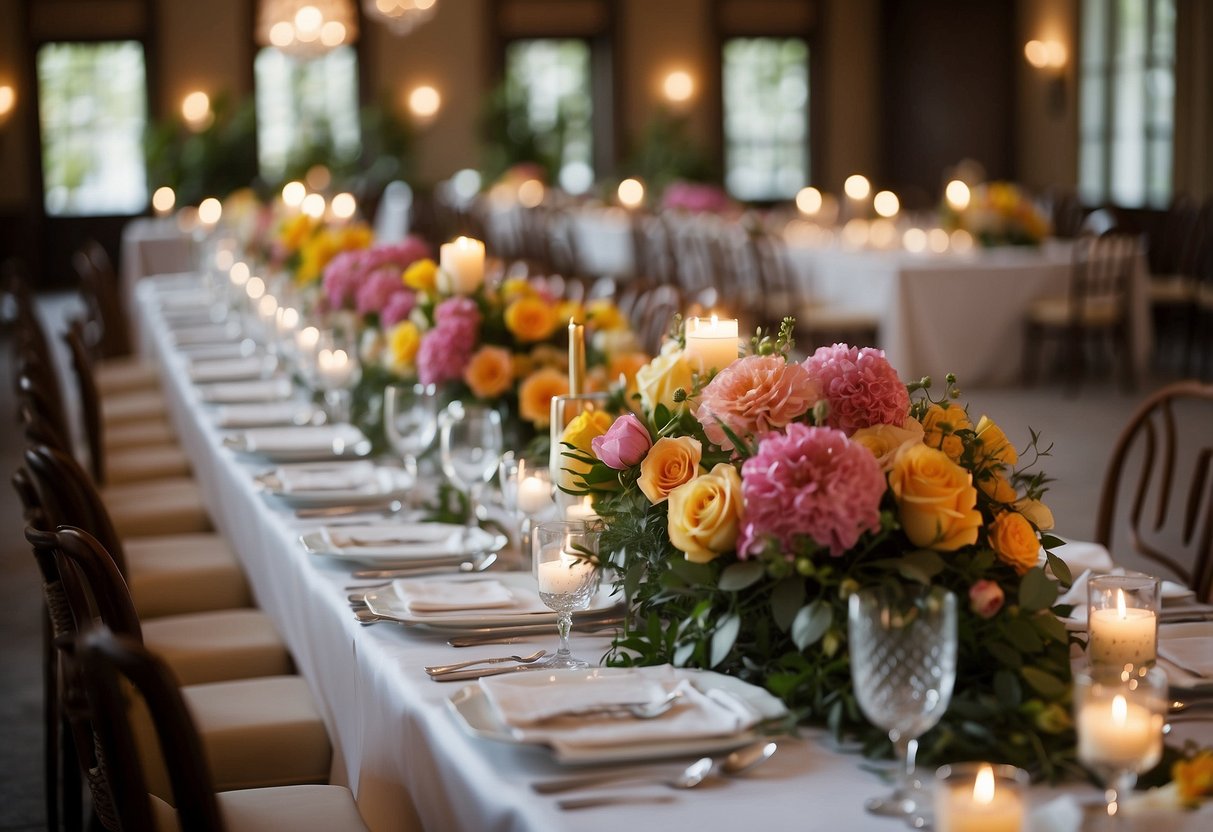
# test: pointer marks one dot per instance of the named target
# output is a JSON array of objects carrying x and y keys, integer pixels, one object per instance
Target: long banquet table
[{"x": 404, "y": 756}]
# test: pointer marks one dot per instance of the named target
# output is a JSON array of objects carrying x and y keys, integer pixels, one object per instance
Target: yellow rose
[
  {"x": 1037, "y": 513},
  {"x": 403, "y": 343},
  {"x": 884, "y": 441},
  {"x": 604, "y": 315},
  {"x": 295, "y": 231},
  {"x": 1015, "y": 541},
  {"x": 516, "y": 287},
  {"x": 993, "y": 445},
  {"x": 997, "y": 487},
  {"x": 421, "y": 275},
  {"x": 1194, "y": 777},
  {"x": 936, "y": 499},
  {"x": 705, "y": 514},
  {"x": 584, "y": 427},
  {"x": 570, "y": 309},
  {"x": 536, "y": 393},
  {"x": 940, "y": 423},
  {"x": 671, "y": 462},
  {"x": 530, "y": 319},
  {"x": 489, "y": 372},
  {"x": 658, "y": 379}
]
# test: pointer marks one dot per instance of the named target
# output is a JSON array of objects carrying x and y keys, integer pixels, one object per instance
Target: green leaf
[
  {"x": 1050, "y": 541},
  {"x": 1022, "y": 635},
  {"x": 739, "y": 575},
  {"x": 1046, "y": 684},
  {"x": 921, "y": 565},
  {"x": 1061, "y": 570},
  {"x": 811, "y": 623},
  {"x": 724, "y": 638},
  {"x": 682, "y": 654},
  {"x": 1007, "y": 689},
  {"x": 1051, "y": 627},
  {"x": 1005, "y": 654},
  {"x": 786, "y": 598},
  {"x": 1036, "y": 590},
  {"x": 691, "y": 573}
]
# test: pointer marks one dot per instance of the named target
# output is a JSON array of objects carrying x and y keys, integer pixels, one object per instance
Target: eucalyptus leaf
[
  {"x": 724, "y": 638},
  {"x": 1022, "y": 635},
  {"x": 1050, "y": 541},
  {"x": 691, "y": 573},
  {"x": 811, "y": 623},
  {"x": 1005, "y": 654},
  {"x": 1007, "y": 689},
  {"x": 740, "y": 575},
  {"x": 1036, "y": 590}
]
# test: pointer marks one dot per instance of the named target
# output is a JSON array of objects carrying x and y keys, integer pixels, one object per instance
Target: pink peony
[
  {"x": 986, "y": 599},
  {"x": 624, "y": 444},
  {"x": 754, "y": 395},
  {"x": 398, "y": 256},
  {"x": 399, "y": 306},
  {"x": 443, "y": 354},
  {"x": 860, "y": 386},
  {"x": 458, "y": 312},
  {"x": 343, "y": 278},
  {"x": 376, "y": 290},
  {"x": 809, "y": 482}
]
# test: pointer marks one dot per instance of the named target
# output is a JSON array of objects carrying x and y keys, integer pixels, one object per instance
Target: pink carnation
[
  {"x": 399, "y": 306},
  {"x": 809, "y": 482},
  {"x": 458, "y": 312},
  {"x": 624, "y": 444},
  {"x": 397, "y": 255},
  {"x": 754, "y": 395},
  {"x": 376, "y": 290},
  {"x": 343, "y": 278},
  {"x": 443, "y": 354},
  {"x": 860, "y": 386}
]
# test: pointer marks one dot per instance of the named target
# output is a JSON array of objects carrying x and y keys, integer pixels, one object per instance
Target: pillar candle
[
  {"x": 462, "y": 265},
  {"x": 980, "y": 806},
  {"x": 1119, "y": 734},
  {"x": 1121, "y": 635},
  {"x": 566, "y": 575},
  {"x": 711, "y": 343}
]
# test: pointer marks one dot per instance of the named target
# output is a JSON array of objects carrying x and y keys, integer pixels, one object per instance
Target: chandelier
[
  {"x": 401, "y": 16},
  {"x": 306, "y": 28}
]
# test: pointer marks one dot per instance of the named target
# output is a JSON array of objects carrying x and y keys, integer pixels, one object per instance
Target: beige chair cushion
[
  {"x": 218, "y": 646},
  {"x": 124, "y": 375},
  {"x": 132, "y": 407},
  {"x": 149, "y": 462},
  {"x": 176, "y": 574},
  {"x": 155, "y": 431},
  {"x": 280, "y": 809},
  {"x": 1171, "y": 289},
  {"x": 1056, "y": 312},
  {"x": 158, "y": 507}
]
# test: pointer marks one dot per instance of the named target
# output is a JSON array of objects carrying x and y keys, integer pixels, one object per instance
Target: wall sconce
[
  {"x": 196, "y": 110},
  {"x": 8, "y": 102},
  {"x": 424, "y": 102},
  {"x": 1049, "y": 56},
  {"x": 678, "y": 87}
]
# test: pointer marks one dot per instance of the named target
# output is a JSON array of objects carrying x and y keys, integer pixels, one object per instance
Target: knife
[{"x": 477, "y": 673}]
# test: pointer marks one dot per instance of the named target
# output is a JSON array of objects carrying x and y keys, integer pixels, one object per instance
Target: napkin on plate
[
  {"x": 1077, "y": 593},
  {"x": 1183, "y": 635},
  {"x": 453, "y": 596},
  {"x": 1082, "y": 555},
  {"x": 204, "y": 334},
  {"x": 199, "y": 353},
  {"x": 1193, "y": 654},
  {"x": 258, "y": 390},
  {"x": 403, "y": 540},
  {"x": 302, "y": 438},
  {"x": 343, "y": 476},
  {"x": 228, "y": 369},
  {"x": 263, "y": 414}
]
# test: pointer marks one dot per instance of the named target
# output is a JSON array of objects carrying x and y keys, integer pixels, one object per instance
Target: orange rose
[
  {"x": 884, "y": 441},
  {"x": 940, "y": 423},
  {"x": 993, "y": 445},
  {"x": 530, "y": 319},
  {"x": 490, "y": 372},
  {"x": 997, "y": 487},
  {"x": 670, "y": 463},
  {"x": 536, "y": 394},
  {"x": 1015, "y": 541},
  {"x": 705, "y": 514},
  {"x": 936, "y": 499}
]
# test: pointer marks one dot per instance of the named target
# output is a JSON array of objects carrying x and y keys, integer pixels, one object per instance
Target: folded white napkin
[
  {"x": 205, "y": 334},
  {"x": 1193, "y": 654},
  {"x": 451, "y": 596},
  {"x": 1077, "y": 593},
  {"x": 1177, "y": 672},
  {"x": 263, "y": 414},
  {"x": 1081, "y": 555},
  {"x": 211, "y": 352},
  {"x": 404, "y": 541},
  {"x": 341, "y": 476},
  {"x": 302, "y": 438},
  {"x": 229, "y": 369},
  {"x": 258, "y": 390},
  {"x": 1061, "y": 814}
]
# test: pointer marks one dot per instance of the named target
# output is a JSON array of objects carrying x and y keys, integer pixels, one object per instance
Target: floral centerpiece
[
  {"x": 303, "y": 246},
  {"x": 1000, "y": 213},
  {"x": 745, "y": 507}
]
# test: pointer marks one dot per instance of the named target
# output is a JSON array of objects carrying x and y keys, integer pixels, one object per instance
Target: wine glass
[
  {"x": 566, "y": 569},
  {"x": 903, "y": 665},
  {"x": 471, "y": 446},
  {"x": 336, "y": 372},
  {"x": 1120, "y": 716},
  {"x": 410, "y": 420}
]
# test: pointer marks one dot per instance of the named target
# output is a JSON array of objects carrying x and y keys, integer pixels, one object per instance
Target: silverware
[
  {"x": 491, "y": 635},
  {"x": 743, "y": 759},
  {"x": 636, "y": 710},
  {"x": 478, "y": 564},
  {"x": 479, "y": 673},
  {"x": 434, "y": 670},
  {"x": 574, "y": 803},
  {"x": 388, "y": 507},
  {"x": 366, "y": 617}
]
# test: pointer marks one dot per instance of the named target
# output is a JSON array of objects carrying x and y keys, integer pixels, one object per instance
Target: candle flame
[
  {"x": 1120, "y": 604},
  {"x": 715, "y": 321},
  {"x": 1120, "y": 710},
  {"x": 983, "y": 786}
]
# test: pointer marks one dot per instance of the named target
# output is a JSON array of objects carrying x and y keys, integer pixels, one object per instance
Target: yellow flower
[
  {"x": 1014, "y": 540},
  {"x": 489, "y": 372},
  {"x": 671, "y": 462},
  {"x": 354, "y": 236},
  {"x": 936, "y": 499},
  {"x": 658, "y": 379},
  {"x": 587, "y": 425},
  {"x": 530, "y": 319},
  {"x": 940, "y": 423},
  {"x": 421, "y": 275},
  {"x": 993, "y": 445},
  {"x": 295, "y": 231},
  {"x": 1038, "y": 513},
  {"x": 403, "y": 343},
  {"x": 570, "y": 309},
  {"x": 705, "y": 514},
  {"x": 1194, "y": 777},
  {"x": 604, "y": 315},
  {"x": 997, "y": 487},
  {"x": 884, "y": 441},
  {"x": 516, "y": 287},
  {"x": 536, "y": 393}
]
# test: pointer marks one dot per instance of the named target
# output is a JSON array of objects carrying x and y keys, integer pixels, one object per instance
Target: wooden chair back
[
  {"x": 99, "y": 288},
  {"x": 90, "y": 400},
  {"x": 1170, "y": 437},
  {"x": 654, "y": 311},
  {"x": 1101, "y": 276}
]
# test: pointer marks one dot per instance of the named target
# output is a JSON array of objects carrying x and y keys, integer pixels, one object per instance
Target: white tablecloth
[
  {"x": 402, "y": 753},
  {"x": 151, "y": 246}
]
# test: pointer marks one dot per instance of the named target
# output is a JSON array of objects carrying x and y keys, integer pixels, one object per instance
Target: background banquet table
[{"x": 396, "y": 745}]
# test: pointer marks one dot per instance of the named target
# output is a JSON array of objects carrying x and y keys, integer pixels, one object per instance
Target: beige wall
[
  {"x": 218, "y": 29},
  {"x": 851, "y": 86},
  {"x": 1047, "y": 140}
]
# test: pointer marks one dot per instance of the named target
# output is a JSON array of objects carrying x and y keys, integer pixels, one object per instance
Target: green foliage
[
  {"x": 215, "y": 161},
  {"x": 509, "y": 139},
  {"x": 666, "y": 153}
]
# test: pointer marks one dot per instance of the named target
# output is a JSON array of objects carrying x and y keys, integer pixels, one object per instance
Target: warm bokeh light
[
  {"x": 318, "y": 177},
  {"x": 857, "y": 186},
  {"x": 882, "y": 234},
  {"x": 1042, "y": 54},
  {"x": 808, "y": 200},
  {"x": 313, "y": 205},
  {"x": 224, "y": 259},
  {"x": 209, "y": 211},
  {"x": 8, "y": 99},
  {"x": 530, "y": 193},
  {"x": 466, "y": 183},
  {"x": 267, "y": 307},
  {"x": 856, "y": 233},
  {"x": 678, "y": 86},
  {"x": 163, "y": 200},
  {"x": 962, "y": 241},
  {"x": 293, "y": 194},
  {"x": 631, "y": 193},
  {"x": 915, "y": 240},
  {"x": 332, "y": 33},
  {"x": 308, "y": 21},
  {"x": 937, "y": 240},
  {"x": 196, "y": 110},
  {"x": 958, "y": 195},
  {"x": 254, "y": 287},
  {"x": 344, "y": 205},
  {"x": 239, "y": 273},
  {"x": 424, "y": 102},
  {"x": 886, "y": 204}
]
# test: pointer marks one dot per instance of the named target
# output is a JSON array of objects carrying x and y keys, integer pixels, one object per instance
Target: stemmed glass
[
  {"x": 903, "y": 665},
  {"x": 410, "y": 420},
  {"x": 336, "y": 371},
  {"x": 471, "y": 447},
  {"x": 526, "y": 491},
  {"x": 566, "y": 568}
]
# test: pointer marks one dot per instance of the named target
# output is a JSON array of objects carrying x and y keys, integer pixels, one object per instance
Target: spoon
[{"x": 434, "y": 670}]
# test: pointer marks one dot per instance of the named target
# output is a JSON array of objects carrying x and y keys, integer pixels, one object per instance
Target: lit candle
[
  {"x": 1119, "y": 734},
  {"x": 980, "y": 807},
  {"x": 462, "y": 265},
  {"x": 534, "y": 495},
  {"x": 1120, "y": 635},
  {"x": 568, "y": 574},
  {"x": 306, "y": 339},
  {"x": 581, "y": 511},
  {"x": 711, "y": 343},
  {"x": 286, "y": 319},
  {"x": 576, "y": 358},
  {"x": 334, "y": 368}
]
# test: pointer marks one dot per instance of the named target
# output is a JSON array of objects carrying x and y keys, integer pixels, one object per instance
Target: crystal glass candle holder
[
  {"x": 1122, "y": 621},
  {"x": 980, "y": 797}
]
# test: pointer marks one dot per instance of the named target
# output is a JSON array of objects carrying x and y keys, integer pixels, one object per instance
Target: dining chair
[
  {"x": 99, "y": 287},
  {"x": 112, "y": 666},
  {"x": 1157, "y": 498},
  {"x": 1095, "y": 308},
  {"x": 255, "y": 732},
  {"x": 654, "y": 312},
  {"x": 1179, "y": 254}
]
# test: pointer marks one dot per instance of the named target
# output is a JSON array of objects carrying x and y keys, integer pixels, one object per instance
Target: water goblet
[
  {"x": 566, "y": 569},
  {"x": 1119, "y": 715},
  {"x": 471, "y": 446},
  {"x": 336, "y": 371},
  {"x": 410, "y": 420},
  {"x": 903, "y": 665}
]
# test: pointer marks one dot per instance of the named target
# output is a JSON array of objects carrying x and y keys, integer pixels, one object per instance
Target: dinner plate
[
  {"x": 242, "y": 368},
  {"x": 383, "y": 483},
  {"x": 440, "y": 551},
  {"x": 529, "y": 610},
  {"x": 472, "y": 711},
  {"x": 300, "y": 443}
]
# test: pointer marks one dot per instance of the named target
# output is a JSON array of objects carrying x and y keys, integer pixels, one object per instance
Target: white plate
[
  {"x": 300, "y": 443},
  {"x": 242, "y": 368},
  {"x": 385, "y": 484},
  {"x": 318, "y": 542},
  {"x": 472, "y": 711}
]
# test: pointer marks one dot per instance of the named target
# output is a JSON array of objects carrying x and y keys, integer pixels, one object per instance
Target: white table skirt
[{"x": 396, "y": 745}]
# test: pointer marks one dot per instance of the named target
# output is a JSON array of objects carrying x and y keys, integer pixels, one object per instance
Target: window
[
  {"x": 92, "y": 106},
  {"x": 766, "y": 117},
  {"x": 307, "y": 111},
  {"x": 1127, "y": 101},
  {"x": 553, "y": 75}
]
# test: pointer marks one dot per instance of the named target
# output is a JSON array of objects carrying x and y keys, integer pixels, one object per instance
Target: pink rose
[
  {"x": 986, "y": 598},
  {"x": 624, "y": 444}
]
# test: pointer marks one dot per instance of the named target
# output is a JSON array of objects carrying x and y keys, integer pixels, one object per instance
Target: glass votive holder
[
  {"x": 526, "y": 491},
  {"x": 980, "y": 797},
  {"x": 1122, "y": 620}
]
